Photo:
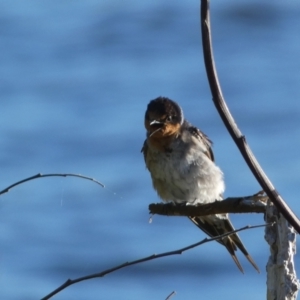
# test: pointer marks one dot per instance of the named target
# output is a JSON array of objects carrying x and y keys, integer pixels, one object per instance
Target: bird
[{"x": 181, "y": 163}]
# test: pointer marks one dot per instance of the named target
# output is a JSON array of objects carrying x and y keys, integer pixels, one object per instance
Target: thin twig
[
  {"x": 6, "y": 190},
  {"x": 171, "y": 295},
  {"x": 230, "y": 124},
  {"x": 151, "y": 257},
  {"x": 250, "y": 204}
]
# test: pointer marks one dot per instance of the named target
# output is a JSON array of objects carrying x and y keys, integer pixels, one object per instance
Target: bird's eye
[{"x": 169, "y": 119}]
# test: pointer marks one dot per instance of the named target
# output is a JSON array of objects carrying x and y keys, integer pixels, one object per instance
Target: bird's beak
[
  {"x": 155, "y": 122},
  {"x": 155, "y": 127}
]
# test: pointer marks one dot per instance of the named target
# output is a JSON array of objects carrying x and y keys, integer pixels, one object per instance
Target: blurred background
[{"x": 76, "y": 77}]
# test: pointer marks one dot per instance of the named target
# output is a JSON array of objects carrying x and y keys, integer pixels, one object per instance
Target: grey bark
[{"x": 282, "y": 282}]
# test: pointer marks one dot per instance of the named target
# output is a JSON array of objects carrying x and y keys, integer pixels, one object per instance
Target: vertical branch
[
  {"x": 230, "y": 124},
  {"x": 282, "y": 282}
]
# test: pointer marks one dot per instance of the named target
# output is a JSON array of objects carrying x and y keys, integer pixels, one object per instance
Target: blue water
[{"x": 76, "y": 77}]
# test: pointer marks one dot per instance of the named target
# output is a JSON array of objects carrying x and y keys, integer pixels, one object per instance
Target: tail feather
[{"x": 215, "y": 225}]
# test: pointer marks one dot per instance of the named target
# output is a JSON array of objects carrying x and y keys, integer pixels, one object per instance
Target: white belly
[{"x": 185, "y": 176}]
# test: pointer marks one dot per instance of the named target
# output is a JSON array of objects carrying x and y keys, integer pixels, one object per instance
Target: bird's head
[{"x": 163, "y": 117}]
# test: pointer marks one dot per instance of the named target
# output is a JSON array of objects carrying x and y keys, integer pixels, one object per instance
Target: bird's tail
[{"x": 215, "y": 225}]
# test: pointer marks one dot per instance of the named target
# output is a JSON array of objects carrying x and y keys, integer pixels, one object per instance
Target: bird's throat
[{"x": 161, "y": 143}]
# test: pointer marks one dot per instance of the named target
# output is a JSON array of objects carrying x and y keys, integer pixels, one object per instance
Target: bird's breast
[{"x": 183, "y": 173}]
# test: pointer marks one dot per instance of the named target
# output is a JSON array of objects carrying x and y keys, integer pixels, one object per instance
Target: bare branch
[
  {"x": 151, "y": 257},
  {"x": 251, "y": 204},
  {"x": 230, "y": 124},
  {"x": 39, "y": 175},
  {"x": 171, "y": 295}
]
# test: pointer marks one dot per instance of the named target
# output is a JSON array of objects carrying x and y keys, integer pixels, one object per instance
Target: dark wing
[
  {"x": 206, "y": 141},
  {"x": 218, "y": 225},
  {"x": 145, "y": 149},
  {"x": 204, "y": 138}
]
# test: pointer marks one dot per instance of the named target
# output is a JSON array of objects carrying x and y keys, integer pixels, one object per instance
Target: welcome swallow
[{"x": 181, "y": 163}]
